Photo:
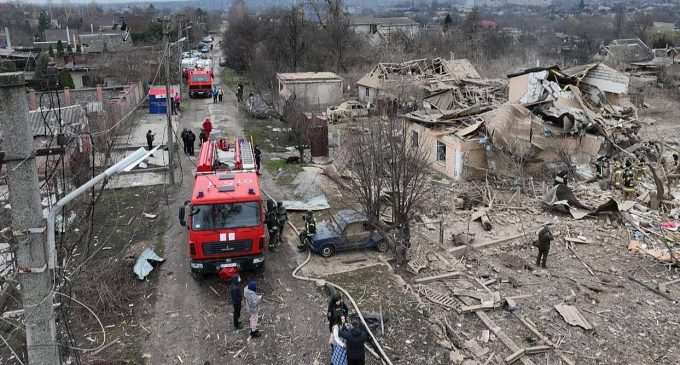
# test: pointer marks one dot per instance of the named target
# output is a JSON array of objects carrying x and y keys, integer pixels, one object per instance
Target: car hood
[{"x": 325, "y": 231}]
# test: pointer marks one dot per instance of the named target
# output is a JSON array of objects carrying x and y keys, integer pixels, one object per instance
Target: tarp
[
  {"x": 316, "y": 203},
  {"x": 143, "y": 266}
]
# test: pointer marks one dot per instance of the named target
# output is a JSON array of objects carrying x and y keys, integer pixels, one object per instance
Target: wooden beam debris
[
  {"x": 652, "y": 289},
  {"x": 437, "y": 277}
]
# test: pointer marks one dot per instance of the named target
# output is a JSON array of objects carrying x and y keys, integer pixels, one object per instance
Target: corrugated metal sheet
[
  {"x": 607, "y": 79},
  {"x": 46, "y": 122},
  {"x": 95, "y": 107}
]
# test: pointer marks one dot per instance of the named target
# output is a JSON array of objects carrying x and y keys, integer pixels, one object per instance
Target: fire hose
[{"x": 321, "y": 282}]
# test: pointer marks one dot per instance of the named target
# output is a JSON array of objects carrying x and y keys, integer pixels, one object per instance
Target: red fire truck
[
  {"x": 199, "y": 82},
  {"x": 225, "y": 216}
]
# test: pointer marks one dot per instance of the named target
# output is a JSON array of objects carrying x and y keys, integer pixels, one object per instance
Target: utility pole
[
  {"x": 180, "y": 18},
  {"x": 28, "y": 224},
  {"x": 168, "y": 101}
]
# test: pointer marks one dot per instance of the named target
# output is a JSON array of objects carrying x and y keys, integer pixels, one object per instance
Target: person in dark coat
[
  {"x": 258, "y": 158},
  {"x": 149, "y": 139},
  {"x": 336, "y": 308},
  {"x": 185, "y": 141},
  {"x": 354, "y": 340},
  {"x": 236, "y": 299},
  {"x": 191, "y": 139},
  {"x": 543, "y": 244},
  {"x": 202, "y": 137}
]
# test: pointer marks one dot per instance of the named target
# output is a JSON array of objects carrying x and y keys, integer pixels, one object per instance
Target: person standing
[
  {"x": 149, "y": 139},
  {"x": 236, "y": 299},
  {"x": 220, "y": 94},
  {"x": 207, "y": 127},
  {"x": 355, "y": 339},
  {"x": 258, "y": 158},
  {"x": 191, "y": 139},
  {"x": 252, "y": 303},
  {"x": 214, "y": 94},
  {"x": 543, "y": 244},
  {"x": 338, "y": 346},
  {"x": 239, "y": 92},
  {"x": 185, "y": 140},
  {"x": 202, "y": 137},
  {"x": 336, "y": 308}
]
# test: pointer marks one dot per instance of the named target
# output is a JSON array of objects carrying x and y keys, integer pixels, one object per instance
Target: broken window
[
  {"x": 414, "y": 139},
  {"x": 441, "y": 151}
]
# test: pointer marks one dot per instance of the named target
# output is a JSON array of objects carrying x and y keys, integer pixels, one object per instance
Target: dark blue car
[{"x": 347, "y": 230}]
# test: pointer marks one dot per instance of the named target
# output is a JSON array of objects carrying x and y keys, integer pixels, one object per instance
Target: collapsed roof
[{"x": 432, "y": 73}]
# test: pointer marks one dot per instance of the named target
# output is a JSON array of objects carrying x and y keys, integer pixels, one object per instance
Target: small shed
[
  {"x": 314, "y": 91},
  {"x": 157, "y": 102}
]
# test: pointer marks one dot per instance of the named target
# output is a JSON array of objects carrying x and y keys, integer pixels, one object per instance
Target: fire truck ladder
[{"x": 246, "y": 152}]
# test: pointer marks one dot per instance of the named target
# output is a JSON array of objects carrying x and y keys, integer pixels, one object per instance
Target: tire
[
  {"x": 381, "y": 246},
  {"x": 327, "y": 251}
]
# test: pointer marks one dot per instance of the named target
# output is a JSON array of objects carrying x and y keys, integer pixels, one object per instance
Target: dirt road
[{"x": 191, "y": 321}]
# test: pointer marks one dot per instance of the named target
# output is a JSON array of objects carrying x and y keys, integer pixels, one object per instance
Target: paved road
[{"x": 191, "y": 321}]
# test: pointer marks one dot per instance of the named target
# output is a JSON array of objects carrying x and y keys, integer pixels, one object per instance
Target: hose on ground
[{"x": 322, "y": 282}]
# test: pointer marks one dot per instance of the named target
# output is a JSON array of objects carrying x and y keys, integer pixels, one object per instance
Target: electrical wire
[
  {"x": 12, "y": 350},
  {"x": 101, "y": 325}
]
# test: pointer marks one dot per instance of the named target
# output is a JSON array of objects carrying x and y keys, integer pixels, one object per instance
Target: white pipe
[{"x": 51, "y": 217}]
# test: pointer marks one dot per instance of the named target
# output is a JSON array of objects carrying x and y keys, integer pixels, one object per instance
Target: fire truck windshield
[
  {"x": 200, "y": 78},
  {"x": 236, "y": 215}
]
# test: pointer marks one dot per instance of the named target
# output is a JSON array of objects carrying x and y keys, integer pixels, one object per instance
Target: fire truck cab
[{"x": 225, "y": 215}]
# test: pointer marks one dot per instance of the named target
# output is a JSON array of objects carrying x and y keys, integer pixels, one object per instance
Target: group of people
[
  {"x": 188, "y": 140},
  {"x": 252, "y": 299},
  {"x": 346, "y": 340},
  {"x": 217, "y": 94}
]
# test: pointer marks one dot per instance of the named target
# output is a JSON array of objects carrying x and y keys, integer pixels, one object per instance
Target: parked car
[
  {"x": 347, "y": 230},
  {"x": 346, "y": 110},
  {"x": 204, "y": 49}
]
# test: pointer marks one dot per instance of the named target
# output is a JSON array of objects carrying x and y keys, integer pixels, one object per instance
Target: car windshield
[
  {"x": 199, "y": 78},
  {"x": 236, "y": 215}
]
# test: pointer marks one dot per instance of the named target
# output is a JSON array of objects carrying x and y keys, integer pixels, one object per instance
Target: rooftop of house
[
  {"x": 394, "y": 21},
  {"x": 308, "y": 76}
]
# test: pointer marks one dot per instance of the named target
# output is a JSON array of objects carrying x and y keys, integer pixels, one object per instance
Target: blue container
[{"x": 157, "y": 106}]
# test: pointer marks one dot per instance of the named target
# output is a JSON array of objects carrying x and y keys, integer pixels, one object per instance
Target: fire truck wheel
[
  {"x": 327, "y": 251},
  {"x": 381, "y": 246}
]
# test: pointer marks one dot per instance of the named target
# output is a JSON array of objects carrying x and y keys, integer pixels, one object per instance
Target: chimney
[
  {"x": 9, "y": 41},
  {"x": 91, "y": 28},
  {"x": 100, "y": 94},
  {"x": 68, "y": 36}
]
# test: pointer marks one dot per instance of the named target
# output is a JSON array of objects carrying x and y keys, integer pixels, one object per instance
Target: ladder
[{"x": 246, "y": 153}]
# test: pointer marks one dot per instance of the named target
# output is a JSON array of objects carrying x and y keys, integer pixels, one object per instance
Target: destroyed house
[
  {"x": 625, "y": 51},
  {"x": 388, "y": 79},
  {"x": 385, "y": 27}
]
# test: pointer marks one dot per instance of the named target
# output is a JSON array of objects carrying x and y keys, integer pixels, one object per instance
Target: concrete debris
[
  {"x": 572, "y": 316},
  {"x": 145, "y": 263},
  {"x": 314, "y": 204}
]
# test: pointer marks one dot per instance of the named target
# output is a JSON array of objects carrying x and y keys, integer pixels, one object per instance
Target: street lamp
[{"x": 125, "y": 164}]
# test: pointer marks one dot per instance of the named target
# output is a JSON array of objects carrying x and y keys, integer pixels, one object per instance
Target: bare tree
[
  {"x": 641, "y": 23},
  {"x": 389, "y": 159},
  {"x": 333, "y": 20},
  {"x": 299, "y": 126},
  {"x": 295, "y": 26}
]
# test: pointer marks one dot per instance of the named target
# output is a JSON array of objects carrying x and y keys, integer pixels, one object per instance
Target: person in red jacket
[{"x": 207, "y": 127}]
